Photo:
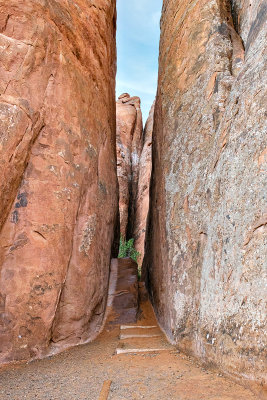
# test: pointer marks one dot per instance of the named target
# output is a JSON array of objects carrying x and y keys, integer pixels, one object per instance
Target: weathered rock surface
[
  {"x": 142, "y": 199},
  {"x": 129, "y": 146},
  {"x": 208, "y": 227},
  {"x": 123, "y": 293},
  {"x": 58, "y": 186}
]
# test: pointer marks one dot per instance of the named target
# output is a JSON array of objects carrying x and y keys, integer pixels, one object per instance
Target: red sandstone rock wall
[
  {"x": 129, "y": 135},
  {"x": 142, "y": 199},
  {"x": 208, "y": 227},
  {"x": 58, "y": 185}
]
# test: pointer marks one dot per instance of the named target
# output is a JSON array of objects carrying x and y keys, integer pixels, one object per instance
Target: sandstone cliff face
[
  {"x": 58, "y": 186},
  {"x": 129, "y": 133},
  {"x": 208, "y": 224},
  {"x": 142, "y": 199}
]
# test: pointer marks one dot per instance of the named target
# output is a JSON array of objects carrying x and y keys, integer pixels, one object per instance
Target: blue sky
[{"x": 137, "y": 46}]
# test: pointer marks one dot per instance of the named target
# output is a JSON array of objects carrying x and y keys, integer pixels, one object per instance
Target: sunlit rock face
[
  {"x": 206, "y": 254},
  {"x": 58, "y": 186},
  {"x": 129, "y": 138},
  {"x": 142, "y": 199}
]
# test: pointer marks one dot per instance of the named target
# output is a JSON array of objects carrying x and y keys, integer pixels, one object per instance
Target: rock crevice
[
  {"x": 134, "y": 163},
  {"x": 129, "y": 147}
]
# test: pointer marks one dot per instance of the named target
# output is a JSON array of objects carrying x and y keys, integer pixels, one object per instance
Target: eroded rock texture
[
  {"x": 208, "y": 226},
  {"x": 129, "y": 146},
  {"x": 123, "y": 291},
  {"x": 58, "y": 186},
  {"x": 142, "y": 199}
]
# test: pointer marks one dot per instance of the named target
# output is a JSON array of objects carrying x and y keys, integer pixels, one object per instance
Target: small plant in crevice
[{"x": 127, "y": 249}]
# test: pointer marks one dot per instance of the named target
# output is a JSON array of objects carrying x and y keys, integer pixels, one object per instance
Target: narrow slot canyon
[
  {"x": 134, "y": 165},
  {"x": 133, "y": 223}
]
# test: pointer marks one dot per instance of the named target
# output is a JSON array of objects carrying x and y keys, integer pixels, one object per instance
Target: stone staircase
[
  {"x": 142, "y": 339},
  {"x": 132, "y": 311}
]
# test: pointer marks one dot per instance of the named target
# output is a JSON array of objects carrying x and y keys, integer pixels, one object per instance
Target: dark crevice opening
[{"x": 234, "y": 14}]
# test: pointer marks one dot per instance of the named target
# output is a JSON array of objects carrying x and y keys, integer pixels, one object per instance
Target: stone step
[
  {"x": 144, "y": 342},
  {"x": 139, "y": 337},
  {"x": 134, "y": 336},
  {"x": 137, "y": 327},
  {"x": 131, "y": 351},
  {"x": 138, "y": 331}
]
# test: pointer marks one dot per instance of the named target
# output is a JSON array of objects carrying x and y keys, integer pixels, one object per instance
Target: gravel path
[{"x": 79, "y": 374}]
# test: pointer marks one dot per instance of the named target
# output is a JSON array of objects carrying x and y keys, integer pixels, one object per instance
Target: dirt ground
[{"x": 79, "y": 373}]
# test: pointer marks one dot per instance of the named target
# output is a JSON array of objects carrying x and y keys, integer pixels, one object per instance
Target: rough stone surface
[
  {"x": 123, "y": 291},
  {"x": 207, "y": 247},
  {"x": 58, "y": 186},
  {"x": 129, "y": 133},
  {"x": 80, "y": 373},
  {"x": 142, "y": 199}
]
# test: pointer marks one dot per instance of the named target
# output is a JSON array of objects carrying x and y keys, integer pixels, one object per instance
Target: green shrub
[{"x": 127, "y": 249}]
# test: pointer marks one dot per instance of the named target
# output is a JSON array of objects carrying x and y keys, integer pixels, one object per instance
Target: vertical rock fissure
[
  {"x": 17, "y": 163},
  {"x": 134, "y": 161},
  {"x": 129, "y": 147},
  {"x": 133, "y": 184},
  {"x": 131, "y": 211},
  {"x": 132, "y": 199},
  {"x": 234, "y": 16},
  {"x": 229, "y": 17}
]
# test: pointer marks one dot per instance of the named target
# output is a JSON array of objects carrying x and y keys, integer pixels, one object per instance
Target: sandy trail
[{"x": 79, "y": 373}]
